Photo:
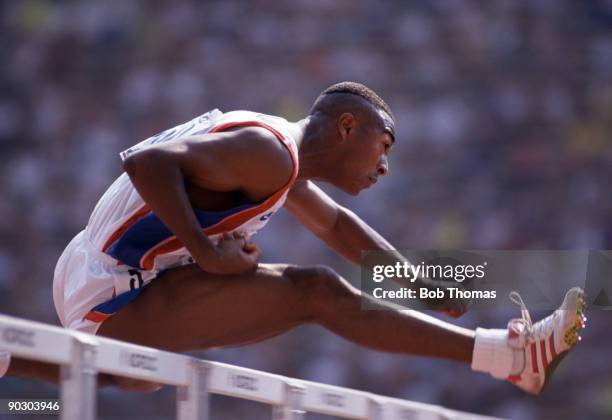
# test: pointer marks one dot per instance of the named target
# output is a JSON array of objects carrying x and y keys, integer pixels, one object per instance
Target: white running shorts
[{"x": 84, "y": 284}]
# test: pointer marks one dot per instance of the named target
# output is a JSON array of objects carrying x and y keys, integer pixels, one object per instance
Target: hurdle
[{"x": 81, "y": 356}]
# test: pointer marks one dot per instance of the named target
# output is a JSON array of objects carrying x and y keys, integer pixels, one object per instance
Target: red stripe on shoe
[
  {"x": 514, "y": 378},
  {"x": 534, "y": 358},
  {"x": 551, "y": 342},
  {"x": 543, "y": 353},
  {"x": 512, "y": 332}
]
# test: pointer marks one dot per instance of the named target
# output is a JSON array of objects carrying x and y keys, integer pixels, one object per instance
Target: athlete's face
[{"x": 366, "y": 151}]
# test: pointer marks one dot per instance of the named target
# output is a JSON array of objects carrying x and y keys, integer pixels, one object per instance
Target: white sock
[
  {"x": 5, "y": 361},
  {"x": 493, "y": 355}
]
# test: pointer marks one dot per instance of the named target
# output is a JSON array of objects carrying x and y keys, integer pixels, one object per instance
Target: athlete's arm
[
  {"x": 344, "y": 232},
  {"x": 249, "y": 159},
  {"x": 340, "y": 228}
]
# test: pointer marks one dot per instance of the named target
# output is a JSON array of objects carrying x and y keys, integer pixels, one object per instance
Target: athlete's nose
[{"x": 383, "y": 166}]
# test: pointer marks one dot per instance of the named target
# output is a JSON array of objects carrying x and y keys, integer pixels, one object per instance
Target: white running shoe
[{"x": 546, "y": 342}]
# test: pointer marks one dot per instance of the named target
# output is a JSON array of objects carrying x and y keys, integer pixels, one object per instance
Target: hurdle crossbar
[{"x": 81, "y": 356}]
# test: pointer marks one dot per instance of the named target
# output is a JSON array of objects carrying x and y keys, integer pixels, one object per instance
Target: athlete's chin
[
  {"x": 358, "y": 190},
  {"x": 361, "y": 188},
  {"x": 354, "y": 188},
  {"x": 351, "y": 190}
]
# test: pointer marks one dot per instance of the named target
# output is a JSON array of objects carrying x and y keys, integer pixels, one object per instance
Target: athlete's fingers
[
  {"x": 250, "y": 247},
  {"x": 243, "y": 242},
  {"x": 455, "y": 313},
  {"x": 240, "y": 237},
  {"x": 253, "y": 251},
  {"x": 254, "y": 257}
]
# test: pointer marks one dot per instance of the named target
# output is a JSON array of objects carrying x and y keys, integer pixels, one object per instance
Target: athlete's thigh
[{"x": 187, "y": 308}]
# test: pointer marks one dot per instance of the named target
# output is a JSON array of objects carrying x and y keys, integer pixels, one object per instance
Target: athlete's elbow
[
  {"x": 129, "y": 165},
  {"x": 143, "y": 160}
]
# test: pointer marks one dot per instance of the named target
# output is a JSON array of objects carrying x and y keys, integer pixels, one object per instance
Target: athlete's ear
[{"x": 346, "y": 123}]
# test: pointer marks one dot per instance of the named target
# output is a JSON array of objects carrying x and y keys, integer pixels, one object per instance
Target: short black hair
[{"x": 358, "y": 89}]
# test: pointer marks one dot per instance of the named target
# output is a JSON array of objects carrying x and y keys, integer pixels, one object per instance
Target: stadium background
[{"x": 504, "y": 113}]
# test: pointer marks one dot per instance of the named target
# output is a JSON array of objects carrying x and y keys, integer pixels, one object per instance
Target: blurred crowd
[{"x": 504, "y": 122}]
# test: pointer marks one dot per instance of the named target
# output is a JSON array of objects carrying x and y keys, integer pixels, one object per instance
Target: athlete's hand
[
  {"x": 232, "y": 255},
  {"x": 453, "y": 307}
]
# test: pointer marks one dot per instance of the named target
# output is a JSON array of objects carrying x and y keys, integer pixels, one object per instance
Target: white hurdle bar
[{"x": 82, "y": 356}]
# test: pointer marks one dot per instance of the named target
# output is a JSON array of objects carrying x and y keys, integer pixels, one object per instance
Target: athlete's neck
[{"x": 313, "y": 149}]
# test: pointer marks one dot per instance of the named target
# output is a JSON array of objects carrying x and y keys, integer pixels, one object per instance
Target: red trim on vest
[
  {"x": 96, "y": 316},
  {"x": 125, "y": 226},
  {"x": 235, "y": 220}
]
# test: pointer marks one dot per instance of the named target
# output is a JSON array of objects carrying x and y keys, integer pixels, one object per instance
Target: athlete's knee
[
  {"x": 320, "y": 284},
  {"x": 327, "y": 283}
]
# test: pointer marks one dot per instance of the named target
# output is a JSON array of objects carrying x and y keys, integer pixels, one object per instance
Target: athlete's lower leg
[{"x": 338, "y": 306}]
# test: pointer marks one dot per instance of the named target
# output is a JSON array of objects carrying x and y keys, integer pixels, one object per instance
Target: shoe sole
[{"x": 570, "y": 334}]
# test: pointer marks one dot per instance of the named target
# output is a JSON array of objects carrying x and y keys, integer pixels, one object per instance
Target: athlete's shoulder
[
  {"x": 261, "y": 136},
  {"x": 260, "y": 151}
]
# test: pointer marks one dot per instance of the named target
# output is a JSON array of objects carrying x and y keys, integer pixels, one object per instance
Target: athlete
[{"x": 167, "y": 258}]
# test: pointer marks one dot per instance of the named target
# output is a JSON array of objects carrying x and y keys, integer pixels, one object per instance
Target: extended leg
[{"x": 188, "y": 309}]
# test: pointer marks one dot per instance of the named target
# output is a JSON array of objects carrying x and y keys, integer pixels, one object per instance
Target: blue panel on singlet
[
  {"x": 110, "y": 307},
  {"x": 149, "y": 231}
]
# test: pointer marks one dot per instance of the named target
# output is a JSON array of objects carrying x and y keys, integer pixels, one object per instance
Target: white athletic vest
[{"x": 123, "y": 226}]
